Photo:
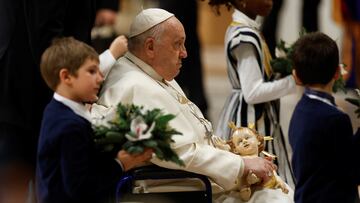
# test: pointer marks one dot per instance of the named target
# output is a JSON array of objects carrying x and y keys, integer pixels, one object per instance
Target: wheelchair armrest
[{"x": 156, "y": 172}]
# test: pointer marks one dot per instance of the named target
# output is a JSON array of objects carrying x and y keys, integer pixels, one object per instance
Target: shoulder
[
  {"x": 317, "y": 113},
  {"x": 131, "y": 81},
  {"x": 240, "y": 34},
  {"x": 58, "y": 116},
  {"x": 125, "y": 73},
  {"x": 130, "y": 87},
  {"x": 243, "y": 38},
  {"x": 64, "y": 125}
]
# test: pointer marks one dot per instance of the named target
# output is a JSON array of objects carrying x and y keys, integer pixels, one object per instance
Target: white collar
[
  {"x": 78, "y": 108},
  {"x": 143, "y": 66},
  {"x": 320, "y": 96},
  {"x": 240, "y": 17},
  {"x": 326, "y": 101}
]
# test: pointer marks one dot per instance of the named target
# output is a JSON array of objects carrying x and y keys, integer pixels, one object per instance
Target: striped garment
[{"x": 265, "y": 116}]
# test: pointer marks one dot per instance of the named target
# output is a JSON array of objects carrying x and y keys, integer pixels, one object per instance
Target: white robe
[{"x": 139, "y": 84}]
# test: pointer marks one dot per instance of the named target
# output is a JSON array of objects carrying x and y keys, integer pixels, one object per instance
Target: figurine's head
[{"x": 246, "y": 141}]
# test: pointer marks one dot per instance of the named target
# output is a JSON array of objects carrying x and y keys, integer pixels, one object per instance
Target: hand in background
[
  {"x": 130, "y": 161},
  {"x": 119, "y": 46}
]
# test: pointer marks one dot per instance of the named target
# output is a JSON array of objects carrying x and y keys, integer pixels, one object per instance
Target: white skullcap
[{"x": 147, "y": 19}]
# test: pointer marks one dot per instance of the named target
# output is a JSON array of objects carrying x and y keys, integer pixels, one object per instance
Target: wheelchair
[{"x": 126, "y": 189}]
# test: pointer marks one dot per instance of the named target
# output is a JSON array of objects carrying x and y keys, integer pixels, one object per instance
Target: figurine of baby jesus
[{"x": 247, "y": 142}]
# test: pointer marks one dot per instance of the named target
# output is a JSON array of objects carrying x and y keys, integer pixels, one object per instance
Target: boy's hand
[
  {"x": 119, "y": 46},
  {"x": 130, "y": 161}
]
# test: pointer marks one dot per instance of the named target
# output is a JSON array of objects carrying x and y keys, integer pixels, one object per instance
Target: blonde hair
[{"x": 67, "y": 53}]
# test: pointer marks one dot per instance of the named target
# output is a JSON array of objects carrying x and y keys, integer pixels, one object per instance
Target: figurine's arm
[
  {"x": 245, "y": 193},
  {"x": 280, "y": 184}
]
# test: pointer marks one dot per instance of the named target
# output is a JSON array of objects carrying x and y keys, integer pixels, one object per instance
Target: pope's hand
[{"x": 261, "y": 167}]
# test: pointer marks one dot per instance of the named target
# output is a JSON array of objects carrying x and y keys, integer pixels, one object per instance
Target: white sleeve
[
  {"x": 107, "y": 61},
  {"x": 254, "y": 88}
]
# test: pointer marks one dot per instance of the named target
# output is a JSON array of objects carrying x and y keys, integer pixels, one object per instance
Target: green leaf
[
  {"x": 128, "y": 144},
  {"x": 159, "y": 153},
  {"x": 339, "y": 85},
  {"x": 165, "y": 118},
  {"x": 135, "y": 149},
  {"x": 150, "y": 143},
  {"x": 355, "y": 102}
]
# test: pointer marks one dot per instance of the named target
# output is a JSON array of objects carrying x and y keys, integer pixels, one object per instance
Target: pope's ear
[
  {"x": 297, "y": 79},
  {"x": 149, "y": 46}
]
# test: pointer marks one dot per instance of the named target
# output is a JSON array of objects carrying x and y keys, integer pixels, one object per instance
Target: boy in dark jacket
[
  {"x": 320, "y": 134},
  {"x": 69, "y": 169}
]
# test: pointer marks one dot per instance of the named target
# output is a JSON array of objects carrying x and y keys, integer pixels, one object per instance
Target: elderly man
[{"x": 145, "y": 76}]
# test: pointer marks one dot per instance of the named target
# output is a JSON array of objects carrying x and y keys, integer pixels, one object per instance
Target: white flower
[
  {"x": 357, "y": 92},
  {"x": 343, "y": 71},
  {"x": 140, "y": 129},
  {"x": 103, "y": 119},
  {"x": 280, "y": 53}
]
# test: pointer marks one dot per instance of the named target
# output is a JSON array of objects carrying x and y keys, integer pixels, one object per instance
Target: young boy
[
  {"x": 68, "y": 167},
  {"x": 320, "y": 134}
]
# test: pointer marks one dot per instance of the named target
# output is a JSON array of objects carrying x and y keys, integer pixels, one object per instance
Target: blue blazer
[
  {"x": 69, "y": 169},
  {"x": 323, "y": 157}
]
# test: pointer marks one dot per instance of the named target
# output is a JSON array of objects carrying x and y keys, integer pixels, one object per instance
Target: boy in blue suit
[
  {"x": 320, "y": 134},
  {"x": 69, "y": 169}
]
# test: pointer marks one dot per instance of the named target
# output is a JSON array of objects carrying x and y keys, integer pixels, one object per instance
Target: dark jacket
[
  {"x": 69, "y": 169},
  {"x": 323, "y": 157}
]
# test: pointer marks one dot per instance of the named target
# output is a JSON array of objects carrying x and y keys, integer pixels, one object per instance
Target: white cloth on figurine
[{"x": 260, "y": 196}]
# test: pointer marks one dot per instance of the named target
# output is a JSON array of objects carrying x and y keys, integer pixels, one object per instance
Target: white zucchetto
[{"x": 147, "y": 19}]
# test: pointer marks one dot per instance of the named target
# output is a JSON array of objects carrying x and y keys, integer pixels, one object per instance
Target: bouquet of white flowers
[{"x": 134, "y": 129}]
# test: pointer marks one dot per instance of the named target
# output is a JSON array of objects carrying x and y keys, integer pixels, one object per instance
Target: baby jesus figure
[{"x": 247, "y": 142}]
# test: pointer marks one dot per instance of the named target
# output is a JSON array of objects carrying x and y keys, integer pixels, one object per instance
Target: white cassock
[{"x": 131, "y": 81}]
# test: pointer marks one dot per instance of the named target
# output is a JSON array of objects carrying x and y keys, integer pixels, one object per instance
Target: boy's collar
[
  {"x": 320, "y": 94},
  {"x": 77, "y": 107}
]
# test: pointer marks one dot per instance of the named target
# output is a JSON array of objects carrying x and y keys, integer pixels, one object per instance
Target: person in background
[
  {"x": 346, "y": 14},
  {"x": 270, "y": 26},
  {"x": 255, "y": 94},
  {"x": 310, "y": 15},
  {"x": 309, "y": 21},
  {"x": 103, "y": 32}
]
